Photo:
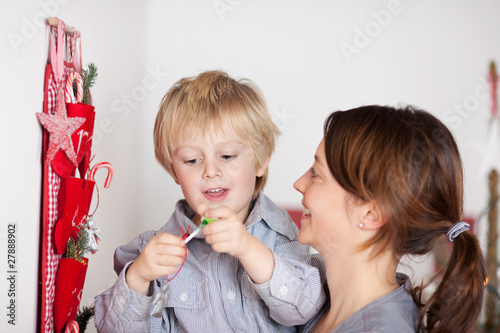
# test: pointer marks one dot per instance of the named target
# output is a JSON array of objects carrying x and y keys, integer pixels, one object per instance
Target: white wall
[
  {"x": 20, "y": 173},
  {"x": 433, "y": 54}
]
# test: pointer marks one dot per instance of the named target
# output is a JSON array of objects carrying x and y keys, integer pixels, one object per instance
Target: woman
[{"x": 387, "y": 182}]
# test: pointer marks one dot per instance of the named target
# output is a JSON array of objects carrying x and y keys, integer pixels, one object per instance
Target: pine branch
[
  {"x": 89, "y": 77},
  {"x": 83, "y": 317},
  {"x": 75, "y": 249}
]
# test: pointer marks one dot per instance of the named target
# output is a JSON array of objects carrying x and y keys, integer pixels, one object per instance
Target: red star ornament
[{"x": 60, "y": 129}]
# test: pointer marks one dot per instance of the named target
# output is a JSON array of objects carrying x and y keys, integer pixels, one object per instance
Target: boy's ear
[
  {"x": 261, "y": 170},
  {"x": 372, "y": 216}
]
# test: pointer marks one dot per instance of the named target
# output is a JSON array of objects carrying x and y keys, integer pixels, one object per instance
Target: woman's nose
[{"x": 299, "y": 184}]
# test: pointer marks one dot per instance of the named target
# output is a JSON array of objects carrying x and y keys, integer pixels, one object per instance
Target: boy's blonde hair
[{"x": 204, "y": 102}]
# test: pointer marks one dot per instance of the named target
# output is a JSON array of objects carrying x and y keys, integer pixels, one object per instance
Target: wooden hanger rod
[{"x": 67, "y": 29}]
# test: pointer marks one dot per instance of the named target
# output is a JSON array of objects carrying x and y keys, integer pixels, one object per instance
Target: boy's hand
[
  {"x": 227, "y": 234},
  {"x": 161, "y": 256}
]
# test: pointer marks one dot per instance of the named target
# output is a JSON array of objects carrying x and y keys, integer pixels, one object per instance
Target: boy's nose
[{"x": 212, "y": 170}]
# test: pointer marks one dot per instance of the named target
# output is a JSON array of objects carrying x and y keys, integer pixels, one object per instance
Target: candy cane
[
  {"x": 102, "y": 165},
  {"x": 72, "y": 327},
  {"x": 69, "y": 87}
]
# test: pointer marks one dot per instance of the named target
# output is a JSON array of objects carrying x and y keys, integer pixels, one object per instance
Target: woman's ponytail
[{"x": 462, "y": 284}]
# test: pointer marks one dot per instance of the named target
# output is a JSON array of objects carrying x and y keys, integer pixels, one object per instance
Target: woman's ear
[
  {"x": 261, "y": 170},
  {"x": 372, "y": 217}
]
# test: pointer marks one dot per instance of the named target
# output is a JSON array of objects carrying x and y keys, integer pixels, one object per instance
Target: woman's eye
[{"x": 313, "y": 173}]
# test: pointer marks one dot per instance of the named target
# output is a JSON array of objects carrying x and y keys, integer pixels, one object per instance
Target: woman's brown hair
[{"x": 407, "y": 161}]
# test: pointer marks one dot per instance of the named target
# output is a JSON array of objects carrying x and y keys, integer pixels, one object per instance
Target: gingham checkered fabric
[{"x": 51, "y": 258}]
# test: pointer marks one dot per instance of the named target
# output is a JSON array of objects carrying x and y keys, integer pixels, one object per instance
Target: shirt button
[
  {"x": 231, "y": 295},
  {"x": 183, "y": 296},
  {"x": 284, "y": 290}
]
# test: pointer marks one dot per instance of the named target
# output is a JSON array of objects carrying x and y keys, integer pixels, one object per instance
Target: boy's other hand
[
  {"x": 161, "y": 256},
  {"x": 227, "y": 234}
]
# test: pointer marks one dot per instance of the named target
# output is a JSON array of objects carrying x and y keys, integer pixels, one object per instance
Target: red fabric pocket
[{"x": 69, "y": 286}]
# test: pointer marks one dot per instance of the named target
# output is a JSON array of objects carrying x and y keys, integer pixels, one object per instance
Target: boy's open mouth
[{"x": 215, "y": 192}]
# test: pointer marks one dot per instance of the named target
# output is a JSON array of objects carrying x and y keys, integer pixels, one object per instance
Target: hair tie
[{"x": 457, "y": 229}]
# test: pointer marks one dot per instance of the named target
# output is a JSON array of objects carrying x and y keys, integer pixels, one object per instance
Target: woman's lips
[{"x": 306, "y": 213}]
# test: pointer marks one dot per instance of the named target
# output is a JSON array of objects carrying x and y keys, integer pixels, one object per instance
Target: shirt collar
[{"x": 274, "y": 216}]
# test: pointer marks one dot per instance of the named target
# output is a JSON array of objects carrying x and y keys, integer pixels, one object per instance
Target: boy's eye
[
  {"x": 228, "y": 157},
  {"x": 192, "y": 161}
]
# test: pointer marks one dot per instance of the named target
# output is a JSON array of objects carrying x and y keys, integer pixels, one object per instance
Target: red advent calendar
[{"x": 67, "y": 228}]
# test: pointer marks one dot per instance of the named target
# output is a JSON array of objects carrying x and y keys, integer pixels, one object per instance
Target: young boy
[{"x": 246, "y": 271}]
